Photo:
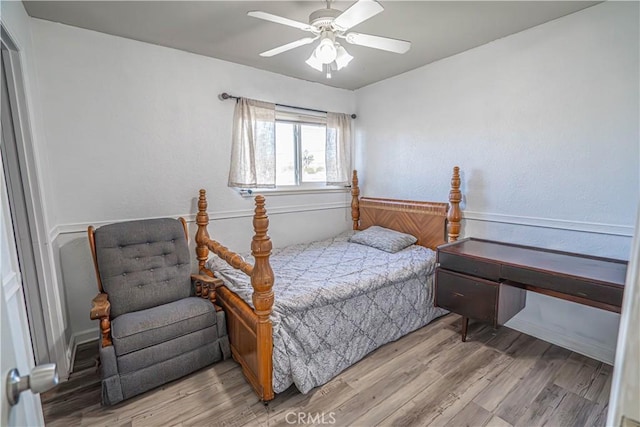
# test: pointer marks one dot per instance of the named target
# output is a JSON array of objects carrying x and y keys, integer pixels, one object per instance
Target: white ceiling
[{"x": 222, "y": 29}]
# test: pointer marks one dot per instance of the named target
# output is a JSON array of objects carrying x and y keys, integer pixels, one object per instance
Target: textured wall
[
  {"x": 544, "y": 125},
  {"x": 134, "y": 130}
]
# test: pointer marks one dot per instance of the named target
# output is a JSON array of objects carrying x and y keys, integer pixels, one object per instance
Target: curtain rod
[{"x": 225, "y": 95}]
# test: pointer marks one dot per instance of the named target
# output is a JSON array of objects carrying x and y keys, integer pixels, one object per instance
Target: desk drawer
[
  {"x": 467, "y": 296},
  {"x": 566, "y": 285},
  {"x": 467, "y": 265}
]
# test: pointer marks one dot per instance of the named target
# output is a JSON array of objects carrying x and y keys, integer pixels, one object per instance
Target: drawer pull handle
[
  {"x": 582, "y": 294},
  {"x": 458, "y": 294}
]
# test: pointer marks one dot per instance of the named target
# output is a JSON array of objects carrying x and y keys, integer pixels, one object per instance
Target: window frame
[
  {"x": 298, "y": 118},
  {"x": 298, "y": 153}
]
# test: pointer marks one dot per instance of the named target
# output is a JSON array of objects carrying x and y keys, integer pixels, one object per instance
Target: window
[
  {"x": 287, "y": 148},
  {"x": 300, "y": 152}
]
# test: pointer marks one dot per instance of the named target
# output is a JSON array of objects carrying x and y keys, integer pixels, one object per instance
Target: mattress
[{"x": 335, "y": 302}]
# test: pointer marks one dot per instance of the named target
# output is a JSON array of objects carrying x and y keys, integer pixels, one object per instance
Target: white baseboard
[
  {"x": 92, "y": 334},
  {"x": 78, "y": 338},
  {"x": 589, "y": 348}
]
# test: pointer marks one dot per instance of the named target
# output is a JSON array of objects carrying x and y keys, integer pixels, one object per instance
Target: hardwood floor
[{"x": 497, "y": 378}]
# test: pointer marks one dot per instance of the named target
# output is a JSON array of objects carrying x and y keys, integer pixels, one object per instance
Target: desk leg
[{"x": 465, "y": 325}]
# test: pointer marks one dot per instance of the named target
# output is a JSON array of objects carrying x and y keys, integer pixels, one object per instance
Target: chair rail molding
[
  {"x": 528, "y": 221},
  {"x": 81, "y": 227},
  {"x": 561, "y": 224}
]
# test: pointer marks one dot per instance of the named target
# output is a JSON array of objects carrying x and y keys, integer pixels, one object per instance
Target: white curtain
[
  {"x": 338, "y": 148},
  {"x": 253, "y": 151}
]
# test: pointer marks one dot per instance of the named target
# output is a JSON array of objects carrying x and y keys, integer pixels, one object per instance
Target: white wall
[
  {"x": 544, "y": 125},
  {"x": 135, "y": 130}
]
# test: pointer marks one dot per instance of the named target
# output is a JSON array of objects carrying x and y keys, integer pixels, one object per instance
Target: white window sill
[{"x": 292, "y": 190}]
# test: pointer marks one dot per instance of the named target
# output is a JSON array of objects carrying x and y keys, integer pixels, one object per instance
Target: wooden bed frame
[{"x": 250, "y": 331}]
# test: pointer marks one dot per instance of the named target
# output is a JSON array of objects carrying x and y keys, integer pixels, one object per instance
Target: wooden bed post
[
  {"x": 262, "y": 279},
  {"x": 202, "y": 235},
  {"x": 454, "y": 215},
  {"x": 355, "y": 201}
]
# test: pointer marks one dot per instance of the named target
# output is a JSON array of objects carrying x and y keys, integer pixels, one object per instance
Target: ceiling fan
[{"x": 328, "y": 25}]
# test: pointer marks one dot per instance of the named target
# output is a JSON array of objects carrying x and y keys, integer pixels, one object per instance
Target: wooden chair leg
[{"x": 465, "y": 326}]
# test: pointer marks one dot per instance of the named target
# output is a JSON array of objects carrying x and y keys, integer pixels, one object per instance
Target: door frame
[
  {"x": 14, "y": 177},
  {"x": 623, "y": 399},
  {"x": 42, "y": 294}
]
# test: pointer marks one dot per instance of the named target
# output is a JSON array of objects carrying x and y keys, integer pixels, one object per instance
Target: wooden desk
[{"x": 487, "y": 280}]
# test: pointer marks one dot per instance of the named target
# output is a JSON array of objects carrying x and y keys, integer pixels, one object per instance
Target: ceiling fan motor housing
[{"x": 323, "y": 18}]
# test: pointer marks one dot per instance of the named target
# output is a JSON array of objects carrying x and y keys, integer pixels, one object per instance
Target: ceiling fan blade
[
  {"x": 288, "y": 46},
  {"x": 357, "y": 13},
  {"x": 377, "y": 42},
  {"x": 279, "y": 20}
]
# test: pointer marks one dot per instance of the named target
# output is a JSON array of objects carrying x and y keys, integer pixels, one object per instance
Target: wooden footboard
[
  {"x": 242, "y": 326},
  {"x": 250, "y": 330}
]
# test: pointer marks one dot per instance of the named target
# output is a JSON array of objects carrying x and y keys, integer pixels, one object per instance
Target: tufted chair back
[{"x": 143, "y": 264}]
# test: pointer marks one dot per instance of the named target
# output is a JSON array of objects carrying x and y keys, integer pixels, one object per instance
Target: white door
[
  {"x": 15, "y": 346},
  {"x": 624, "y": 401}
]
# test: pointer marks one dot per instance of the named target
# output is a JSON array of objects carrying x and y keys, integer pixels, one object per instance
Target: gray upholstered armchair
[{"x": 157, "y": 321}]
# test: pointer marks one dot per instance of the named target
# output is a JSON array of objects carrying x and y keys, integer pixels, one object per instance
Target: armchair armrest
[
  {"x": 206, "y": 287},
  {"x": 101, "y": 310}
]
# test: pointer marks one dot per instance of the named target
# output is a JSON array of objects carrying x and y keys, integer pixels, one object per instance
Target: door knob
[{"x": 42, "y": 378}]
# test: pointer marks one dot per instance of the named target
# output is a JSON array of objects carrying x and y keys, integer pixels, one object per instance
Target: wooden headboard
[{"x": 425, "y": 220}]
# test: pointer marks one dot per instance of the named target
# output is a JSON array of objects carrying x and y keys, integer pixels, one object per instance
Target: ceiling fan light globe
[
  {"x": 326, "y": 51},
  {"x": 342, "y": 58},
  {"x": 314, "y": 62}
]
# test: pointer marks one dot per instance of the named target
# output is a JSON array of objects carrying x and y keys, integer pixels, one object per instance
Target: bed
[{"x": 332, "y": 309}]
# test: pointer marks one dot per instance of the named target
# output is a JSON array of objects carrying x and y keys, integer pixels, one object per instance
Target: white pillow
[{"x": 384, "y": 239}]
